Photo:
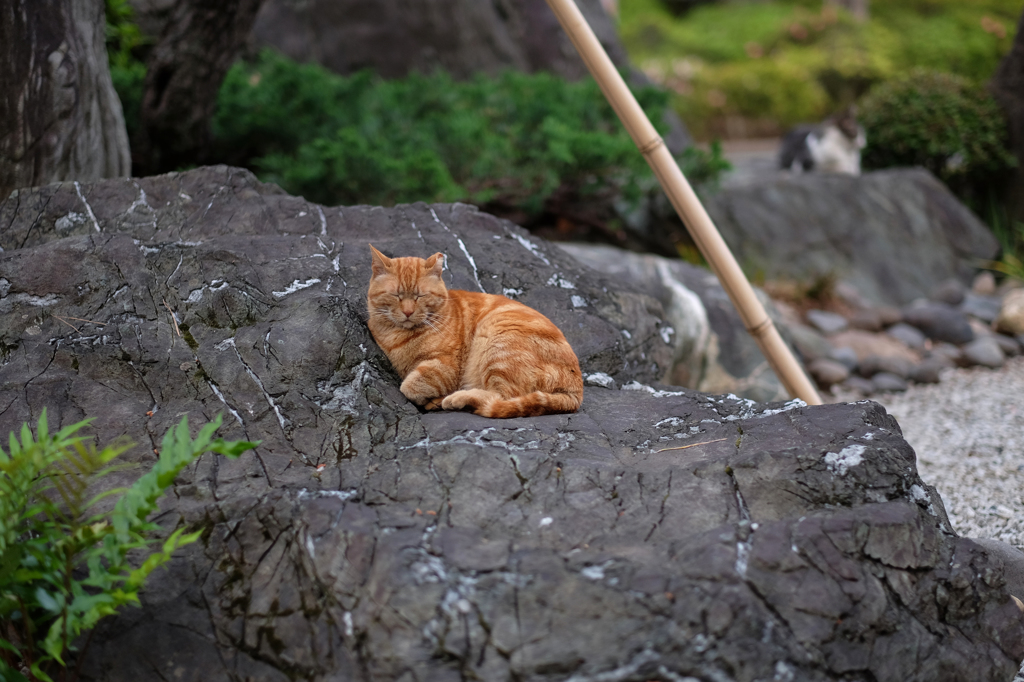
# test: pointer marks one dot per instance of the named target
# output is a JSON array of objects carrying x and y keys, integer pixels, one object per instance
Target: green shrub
[
  {"x": 513, "y": 139},
  {"x": 943, "y": 123},
  {"x": 63, "y": 565}
]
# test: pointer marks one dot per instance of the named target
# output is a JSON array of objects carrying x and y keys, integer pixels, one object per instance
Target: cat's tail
[{"x": 490, "y": 404}]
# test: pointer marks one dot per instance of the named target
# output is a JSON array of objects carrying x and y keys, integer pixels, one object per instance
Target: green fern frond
[{"x": 62, "y": 570}]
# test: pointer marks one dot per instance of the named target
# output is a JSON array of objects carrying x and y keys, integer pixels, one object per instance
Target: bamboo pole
[{"x": 686, "y": 203}]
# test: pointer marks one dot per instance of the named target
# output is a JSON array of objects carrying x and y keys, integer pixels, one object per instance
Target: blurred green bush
[
  {"x": 944, "y": 123},
  {"x": 740, "y": 69},
  {"x": 516, "y": 138}
]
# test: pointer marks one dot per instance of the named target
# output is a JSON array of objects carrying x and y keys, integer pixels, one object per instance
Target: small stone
[
  {"x": 944, "y": 360},
  {"x": 930, "y": 370},
  {"x": 889, "y": 315},
  {"x": 940, "y": 322},
  {"x": 828, "y": 372},
  {"x": 845, "y": 356},
  {"x": 951, "y": 292},
  {"x": 826, "y": 322},
  {"x": 886, "y": 382},
  {"x": 984, "y": 284},
  {"x": 912, "y": 336},
  {"x": 867, "y": 343},
  {"x": 808, "y": 342},
  {"x": 985, "y": 352},
  {"x": 890, "y": 364},
  {"x": 952, "y": 353},
  {"x": 859, "y": 385},
  {"x": 985, "y": 308},
  {"x": 1008, "y": 345},
  {"x": 1011, "y": 315},
  {"x": 868, "y": 320}
]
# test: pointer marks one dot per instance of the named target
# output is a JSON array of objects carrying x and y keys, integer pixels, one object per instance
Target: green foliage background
[
  {"x": 515, "y": 138},
  {"x": 780, "y": 62},
  {"x": 942, "y": 122}
]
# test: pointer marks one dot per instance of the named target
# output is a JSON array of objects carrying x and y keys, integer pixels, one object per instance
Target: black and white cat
[{"x": 833, "y": 146}]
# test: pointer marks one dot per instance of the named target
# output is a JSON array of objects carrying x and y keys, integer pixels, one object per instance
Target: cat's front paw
[
  {"x": 419, "y": 391},
  {"x": 433, "y": 404}
]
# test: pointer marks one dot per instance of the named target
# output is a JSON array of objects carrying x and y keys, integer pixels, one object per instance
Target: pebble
[
  {"x": 887, "y": 382},
  {"x": 826, "y": 322},
  {"x": 828, "y": 372},
  {"x": 984, "y": 284},
  {"x": 951, "y": 292},
  {"x": 985, "y": 308},
  {"x": 859, "y": 385},
  {"x": 868, "y": 320},
  {"x": 984, "y": 351},
  {"x": 930, "y": 370},
  {"x": 948, "y": 351},
  {"x": 889, "y": 315},
  {"x": 940, "y": 322},
  {"x": 912, "y": 336},
  {"x": 808, "y": 342},
  {"x": 1010, "y": 346},
  {"x": 1011, "y": 314},
  {"x": 891, "y": 364},
  {"x": 865, "y": 343},
  {"x": 844, "y": 355}
]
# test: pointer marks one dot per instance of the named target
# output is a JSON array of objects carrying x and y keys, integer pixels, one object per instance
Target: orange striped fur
[{"x": 460, "y": 350}]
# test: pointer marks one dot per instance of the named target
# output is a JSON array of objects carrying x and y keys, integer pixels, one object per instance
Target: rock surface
[
  {"x": 899, "y": 235},
  {"x": 364, "y": 540}
]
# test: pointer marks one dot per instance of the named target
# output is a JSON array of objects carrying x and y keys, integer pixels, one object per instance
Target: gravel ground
[{"x": 968, "y": 432}]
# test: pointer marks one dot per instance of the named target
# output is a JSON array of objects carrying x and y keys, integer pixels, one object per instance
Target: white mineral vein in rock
[
  {"x": 296, "y": 286},
  {"x": 462, "y": 246},
  {"x": 323, "y": 222},
  {"x": 529, "y": 246},
  {"x": 88, "y": 208}
]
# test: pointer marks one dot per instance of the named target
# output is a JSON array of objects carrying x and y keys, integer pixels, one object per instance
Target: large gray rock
[
  {"x": 894, "y": 235},
  {"x": 364, "y": 540}
]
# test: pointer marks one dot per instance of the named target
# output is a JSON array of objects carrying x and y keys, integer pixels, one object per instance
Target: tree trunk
[
  {"x": 1008, "y": 89},
  {"x": 60, "y": 118},
  {"x": 183, "y": 75}
]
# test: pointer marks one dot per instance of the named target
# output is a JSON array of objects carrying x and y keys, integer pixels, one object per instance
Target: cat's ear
[
  {"x": 381, "y": 264},
  {"x": 435, "y": 265}
]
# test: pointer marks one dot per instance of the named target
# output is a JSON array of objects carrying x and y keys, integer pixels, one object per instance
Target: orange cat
[{"x": 463, "y": 350}]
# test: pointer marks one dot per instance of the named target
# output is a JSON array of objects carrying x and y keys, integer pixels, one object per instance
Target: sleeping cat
[
  {"x": 831, "y": 147},
  {"x": 460, "y": 350}
]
